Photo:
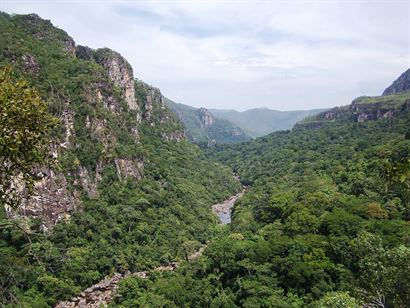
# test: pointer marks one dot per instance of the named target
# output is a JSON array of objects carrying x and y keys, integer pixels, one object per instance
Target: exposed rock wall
[
  {"x": 177, "y": 136},
  {"x": 120, "y": 72},
  {"x": 101, "y": 93},
  {"x": 211, "y": 143},
  {"x": 358, "y": 111},
  {"x": 205, "y": 117},
  {"x": 375, "y": 111},
  {"x": 118, "y": 69},
  {"x": 149, "y": 98},
  {"x": 156, "y": 113},
  {"x": 86, "y": 182},
  {"x": 52, "y": 200},
  {"x": 54, "y": 197},
  {"x": 100, "y": 107},
  {"x": 67, "y": 119},
  {"x": 85, "y": 53},
  {"x": 203, "y": 128},
  {"x": 154, "y": 96},
  {"x": 128, "y": 168},
  {"x": 401, "y": 84},
  {"x": 30, "y": 63}
]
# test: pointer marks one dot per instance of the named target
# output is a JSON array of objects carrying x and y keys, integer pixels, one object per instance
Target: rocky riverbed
[
  {"x": 102, "y": 293},
  {"x": 223, "y": 210}
]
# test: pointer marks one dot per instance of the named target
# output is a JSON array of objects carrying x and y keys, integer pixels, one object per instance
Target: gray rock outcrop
[
  {"x": 118, "y": 69},
  {"x": 401, "y": 84},
  {"x": 104, "y": 104},
  {"x": 205, "y": 117},
  {"x": 120, "y": 72}
]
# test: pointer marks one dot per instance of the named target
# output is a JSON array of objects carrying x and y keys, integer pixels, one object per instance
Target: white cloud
[{"x": 245, "y": 54}]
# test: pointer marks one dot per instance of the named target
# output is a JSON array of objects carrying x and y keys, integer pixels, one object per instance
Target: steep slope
[
  {"x": 364, "y": 108},
  {"x": 262, "y": 121},
  {"x": 401, "y": 84},
  {"x": 325, "y": 222},
  {"x": 203, "y": 128},
  {"x": 127, "y": 191}
]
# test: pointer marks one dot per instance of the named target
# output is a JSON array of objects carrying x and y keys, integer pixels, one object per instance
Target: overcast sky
[{"x": 283, "y": 55}]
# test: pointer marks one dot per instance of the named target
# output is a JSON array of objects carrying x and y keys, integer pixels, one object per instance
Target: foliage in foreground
[{"x": 24, "y": 136}]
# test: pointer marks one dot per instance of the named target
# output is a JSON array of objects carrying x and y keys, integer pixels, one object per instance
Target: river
[{"x": 223, "y": 210}]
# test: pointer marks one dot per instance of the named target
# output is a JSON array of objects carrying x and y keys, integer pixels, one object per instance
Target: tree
[
  {"x": 24, "y": 136},
  {"x": 189, "y": 248},
  {"x": 384, "y": 274},
  {"x": 338, "y": 300}
]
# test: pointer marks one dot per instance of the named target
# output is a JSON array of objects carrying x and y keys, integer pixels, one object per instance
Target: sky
[{"x": 284, "y": 55}]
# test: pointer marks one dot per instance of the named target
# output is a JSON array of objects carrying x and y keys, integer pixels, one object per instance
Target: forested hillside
[
  {"x": 125, "y": 192},
  {"x": 324, "y": 220},
  {"x": 204, "y": 129},
  {"x": 324, "y": 224}
]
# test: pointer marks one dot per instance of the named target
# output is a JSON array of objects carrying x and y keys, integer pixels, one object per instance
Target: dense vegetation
[
  {"x": 24, "y": 128},
  {"x": 324, "y": 224},
  {"x": 221, "y": 131},
  {"x": 133, "y": 224}
]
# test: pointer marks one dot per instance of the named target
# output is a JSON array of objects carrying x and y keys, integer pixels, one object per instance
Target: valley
[
  {"x": 260, "y": 122},
  {"x": 224, "y": 210},
  {"x": 103, "y": 292},
  {"x": 136, "y": 201},
  {"x": 203, "y": 128}
]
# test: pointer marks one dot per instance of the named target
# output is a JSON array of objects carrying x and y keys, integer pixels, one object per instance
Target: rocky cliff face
[
  {"x": 148, "y": 98},
  {"x": 376, "y": 111},
  {"x": 120, "y": 72},
  {"x": 156, "y": 114},
  {"x": 360, "y": 110},
  {"x": 118, "y": 69},
  {"x": 52, "y": 201},
  {"x": 394, "y": 101},
  {"x": 205, "y": 117},
  {"x": 101, "y": 109},
  {"x": 401, "y": 84},
  {"x": 203, "y": 128}
]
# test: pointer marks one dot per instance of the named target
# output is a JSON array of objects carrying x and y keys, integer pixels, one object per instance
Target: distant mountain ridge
[
  {"x": 262, "y": 121},
  {"x": 401, "y": 84},
  {"x": 202, "y": 127},
  {"x": 394, "y": 102}
]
